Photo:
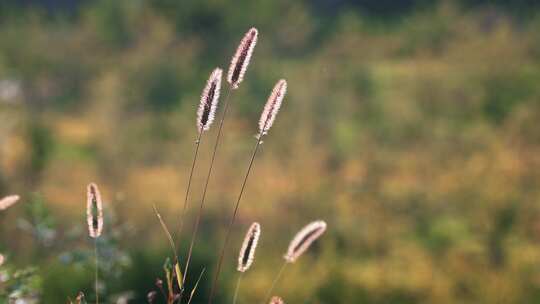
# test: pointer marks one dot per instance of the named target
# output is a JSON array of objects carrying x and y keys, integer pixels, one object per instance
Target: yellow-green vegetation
[{"x": 413, "y": 131}]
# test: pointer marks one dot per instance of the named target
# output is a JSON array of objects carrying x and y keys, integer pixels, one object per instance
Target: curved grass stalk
[
  {"x": 186, "y": 198},
  {"x": 274, "y": 282},
  {"x": 237, "y": 287},
  {"x": 96, "y": 272},
  {"x": 233, "y": 218}
]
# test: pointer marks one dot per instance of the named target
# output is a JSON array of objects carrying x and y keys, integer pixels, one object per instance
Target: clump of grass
[
  {"x": 205, "y": 117},
  {"x": 268, "y": 116},
  {"x": 237, "y": 70}
]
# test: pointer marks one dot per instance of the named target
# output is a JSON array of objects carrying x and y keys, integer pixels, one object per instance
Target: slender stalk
[
  {"x": 166, "y": 231},
  {"x": 186, "y": 198},
  {"x": 201, "y": 206},
  {"x": 237, "y": 287},
  {"x": 194, "y": 288},
  {"x": 173, "y": 249},
  {"x": 96, "y": 278},
  {"x": 233, "y": 217},
  {"x": 276, "y": 279}
]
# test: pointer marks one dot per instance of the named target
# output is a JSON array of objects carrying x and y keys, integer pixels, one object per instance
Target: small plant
[{"x": 172, "y": 287}]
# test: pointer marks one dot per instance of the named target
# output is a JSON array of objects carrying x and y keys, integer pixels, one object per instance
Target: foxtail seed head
[
  {"x": 272, "y": 107},
  {"x": 8, "y": 201},
  {"x": 276, "y": 300},
  {"x": 304, "y": 239},
  {"x": 209, "y": 101},
  {"x": 247, "y": 252},
  {"x": 241, "y": 58},
  {"x": 94, "y": 211}
]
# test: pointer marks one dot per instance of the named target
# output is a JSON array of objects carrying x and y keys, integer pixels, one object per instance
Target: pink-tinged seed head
[
  {"x": 276, "y": 300},
  {"x": 94, "y": 211},
  {"x": 304, "y": 239},
  {"x": 247, "y": 251},
  {"x": 272, "y": 107},
  {"x": 209, "y": 101},
  {"x": 8, "y": 201},
  {"x": 241, "y": 58}
]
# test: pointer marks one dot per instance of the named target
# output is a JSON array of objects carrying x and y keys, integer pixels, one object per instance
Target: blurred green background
[{"x": 411, "y": 127}]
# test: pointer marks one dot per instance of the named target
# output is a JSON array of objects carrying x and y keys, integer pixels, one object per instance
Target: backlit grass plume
[
  {"x": 94, "y": 217},
  {"x": 267, "y": 119},
  {"x": 209, "y": 101},
  {"x": 8, "y": 201},
  {"x": 94, "y": 211},
  {"x": 272, "y": 107},
  {"x": 247, "y": 252},
  {"x": 303, "y": 239},
  {"x": 276, "y": 300},
  {"x": 299, "y": 244},
  {"x": 241, "y": 58},
  {"x": 237, "y": 70},
  {"x": 2, "y": 259},
  {"x": 205, "y": 116}
]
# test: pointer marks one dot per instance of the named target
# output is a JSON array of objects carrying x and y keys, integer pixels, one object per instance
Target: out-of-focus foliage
[{"x": 411, "y": 127}]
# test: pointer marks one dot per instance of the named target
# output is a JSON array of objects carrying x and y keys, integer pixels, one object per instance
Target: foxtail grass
[
  {"x": 94, "y": 218},
  {"x": 298, "y": 246},
  {"x": 247, "y": 254},
  {"x": 276, "y": 300},
  {"x": 205, "y": 117},
  {"x": 270, "y": 110},
  {"x": 8, "y": 201},
  {"x": 237, "y": 69},
  {"x": 242, "y": 57}
]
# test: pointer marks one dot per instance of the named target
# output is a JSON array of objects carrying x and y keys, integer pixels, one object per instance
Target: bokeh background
[{"x": 411, "y": 127}]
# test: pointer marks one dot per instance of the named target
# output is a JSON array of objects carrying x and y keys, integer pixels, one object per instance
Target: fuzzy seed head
[
  {"x": 247, "y": 252},
  {"x": 276, "y": 300},
  {"x": 241, "y": 58},
  {"x": 272, "y": 107},
  {"x": 94, "y": 211},
  {"x": 8, "y": 201},
  {"x": 304, "y": 239},
  {"x": 209, "y": 101},
  {"x": 2, "y": 259}
]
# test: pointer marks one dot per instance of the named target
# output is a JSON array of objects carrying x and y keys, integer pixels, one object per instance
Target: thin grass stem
[
  {"x": 276, "y": 279},
  {"x": 166, "y": 230},
  {"x": 194, "y": 288},
  {"x": 233, "y": 217},
  {"x": 186, "y": 198},
  {"x": 96, "y": 272},
  {"x": 237, "y": 287},
  {"x": 201, "y": 206}
]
